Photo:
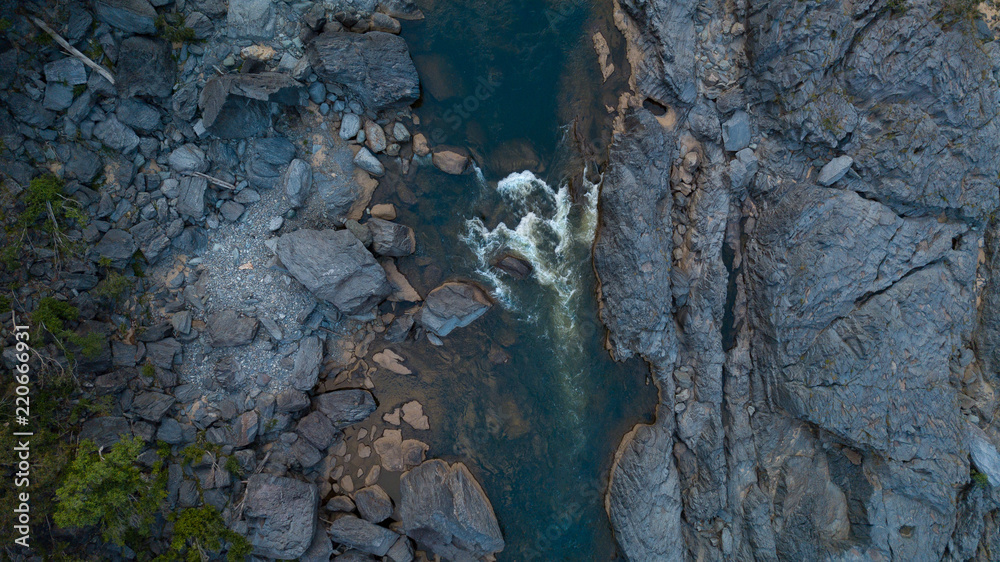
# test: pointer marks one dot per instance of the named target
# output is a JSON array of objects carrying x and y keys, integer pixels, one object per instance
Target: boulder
[
  {"x": 116, "y": 245},
  {"x": 452, "y": 305},
  {"x": 282, "y": 515},
  {"x": 130, "y": 16},
  {"x": 391, "y": 239},
  {"x": 446, "y": 511},
  {"x": 105, "y": 431},
  {"x": 116, "y": 135},
  {"x": 296, "y": 182},
  {"x": 335, "y": 267},
  {"x": 145, "y": 67},
  {"x": 191, "y": 198},
  {"x": 350, "y": 126},
  {"x": 229, "y": 329},
  {"x": 834, "y": 170},
  {"x": 245, "y": 428},
  {"x": 368, "y": 162},
  {"x": 385, "y": 211},
  {"x": 138, "y": 115},
  {"x": 305, "y": 371},
  {"x": 353, "y": 532},
  {"x": 402, "y": 290},
  {"x": 267, "y": 159},
  {"x": 82, "y": 164},
  {"x": 346, "y": 407},
  {"x": 736, "y": 132},
  {"x": 231, "y": 211},
  {"x": 346, "y": 197},
  {"x": 317, "y": 429},
  {"x": 373, "y": 503},
  {"x": 67, "y": 70},
  {"x": 374, "y": 67},
  {"x": 58, "y": 96},
  {"x": 397, "y": 454},
  {"x": 152, "y": 406},
  {"x": 374, "y": 136},
  {"x": 188, "y": 158}
]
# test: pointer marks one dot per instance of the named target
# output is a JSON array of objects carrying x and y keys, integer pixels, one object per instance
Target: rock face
[
  {"x": 452, "y": 305},
  {"x": 335, "y": 267},
  {"x": 806, "y": 257},
  {"x": 283, "y": 515},
  {"x": 445, "y": 510},
  {"x": 375, "y": 67}
]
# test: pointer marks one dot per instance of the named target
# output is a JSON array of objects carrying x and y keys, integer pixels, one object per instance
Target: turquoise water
[{"x": 527, "y": 396}]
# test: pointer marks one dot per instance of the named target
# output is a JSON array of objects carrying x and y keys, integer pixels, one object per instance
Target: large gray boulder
[
  {"x": 268, "y": 157},
  {"x": 452, "y": 305},
  {"x": 335, "y": 267},
  {"x": 346, "y": 407},
  {"x": 444, "y": 509},
  {"x": 227, "y": 328},
  {"x": 375, "y": 67},
  {"x": 282, "y": 515}
]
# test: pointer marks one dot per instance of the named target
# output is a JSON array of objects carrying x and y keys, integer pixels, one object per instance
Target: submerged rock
[
  {"x": 514, "y": 266},
  {"x": 444, "y": 509},
  {"x": 452, "y": 305},
  {"x": 450, "y": 160}
]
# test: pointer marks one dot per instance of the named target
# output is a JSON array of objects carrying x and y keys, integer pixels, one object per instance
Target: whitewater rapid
[{"x": 555, "y": 236}]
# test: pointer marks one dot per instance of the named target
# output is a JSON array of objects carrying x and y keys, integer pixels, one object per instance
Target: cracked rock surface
[{"x": 819, "y": 310}]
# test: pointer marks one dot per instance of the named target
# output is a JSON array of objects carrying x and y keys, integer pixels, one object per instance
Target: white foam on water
[{"x": 555, "y": 237}]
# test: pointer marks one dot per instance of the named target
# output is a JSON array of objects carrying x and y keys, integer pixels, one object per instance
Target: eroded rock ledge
[{"x": 816, "y": 294}]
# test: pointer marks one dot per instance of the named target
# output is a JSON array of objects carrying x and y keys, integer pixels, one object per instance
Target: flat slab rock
[
  {"x": 282, "y": 514},
  {"x": 445, "y": 510},
  {"x": 335, "y": 267}
]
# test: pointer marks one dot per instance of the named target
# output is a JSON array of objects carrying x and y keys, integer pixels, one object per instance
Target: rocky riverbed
[
  {"x": 223, "y": 173},
  {"x": 214, "y": 234}
]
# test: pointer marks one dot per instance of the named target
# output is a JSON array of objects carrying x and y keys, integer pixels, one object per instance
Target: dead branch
[{"x": 73, "y": 51}]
